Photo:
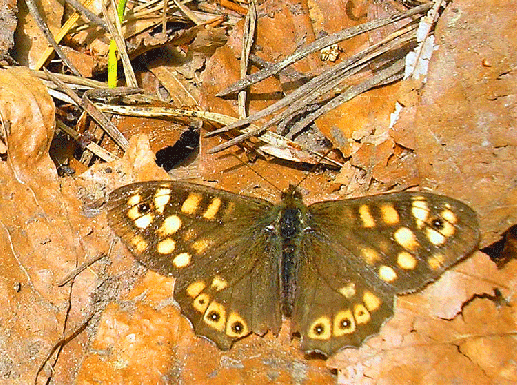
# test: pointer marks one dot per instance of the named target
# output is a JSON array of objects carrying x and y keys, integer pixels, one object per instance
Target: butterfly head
[{"x": 291, "y": 194}]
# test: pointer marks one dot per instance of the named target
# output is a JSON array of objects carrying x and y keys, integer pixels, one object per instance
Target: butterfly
[{"x": 334, "y": 268}]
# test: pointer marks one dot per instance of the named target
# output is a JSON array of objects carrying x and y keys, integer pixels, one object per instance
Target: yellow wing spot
[
  {"x": 194, "y": 289},
  {"x": 447, "y": 229},
  {"x": 236, "y": 326},
  {"x": 371, "y": 301},
  {"x": 139, "y": 243},
  {"x": 215, "y": 316},
  {"x": 435, "y": 237},
  {"x": 144, "y": 221},
  {"x": 166, "y": 246},
  {"x": 189, "y": 234},
  {"x": 320, "y": 329},
  {"x": 361, "y": 314},
  {"x": 420, "y": 210},
  {"x": 191, "y": 204},
  {"x": 133, "y": 213},
  {"x": 348, "y": 290},
  {"x": 134, "y": 200},
  {"x": 201, "y": 245},
  {"x": 390, "y": 216},
  {"x": 436, "y": 261},
  {"x": 161, "y": 198},
  {"x": 212, "y": 209},
  {"x": 181, "y": 260},
  {"x": 449, "y": 216},
  {"x": 201, "y": 302},
  {"x": 219, "y": 283},
  {"x": 406, "y": 238},
  {"x": 406, "y": 261},
  {"x": 170, "y": 225},
  {"x": 366, "y": 216},
  {"x": 370, "y": 255},
  {"x": 387, "y": 274},
  {"x": 344, "y": 323}
]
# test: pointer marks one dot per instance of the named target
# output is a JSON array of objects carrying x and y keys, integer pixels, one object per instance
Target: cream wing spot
[
  {"x": 348, "y": 291},
  {"x": 420, "y": 210},
  {"x": 449, "y": 216},
  {"x": 371, "y": 301},
  {"x": 170, "y": 225},
  {"x": 166, "y": 246},
  {"x": 161, "y": 198},
  {"x": 366, "y": 216},
  {"x": 320, "y": 329},
  {"x": 344, "y": 323},
  {"x": 219, "y": 283},
  {"x": 144, "y": 221},
  {"x": 200, "y": 245},
  {"x": 406, "y": 261},
  {"x": 133, "y": 213},
  {"x": 191, "y": 204},
  {"x": 435, "y": 237},
  {"x": 370, "y": 256},
  {"x": 236, "y": 326},
  {"x": 436, "y": 261},
  {"x": 213, "y": 209},
  {"x": 387, "y": 274},
  {"x": 215, "y": 316},
  {"x": 390, "y": 216},
  {"x": 361, "y": 314},
  {"x": 406, "y": 238},
  {"x": 134, "y": 200},
  {"x": 447, "y": 229},
  {"x": 195, "y": 288},
  {"x": 181, "y": 260},
  {"x": 139, "y": 243},
  {"x": 201, "y": 302}
]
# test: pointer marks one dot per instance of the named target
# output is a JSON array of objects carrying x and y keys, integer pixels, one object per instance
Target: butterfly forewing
[
  {"x": 215, "y": 244},
  {"x": 348, "y": 258}
]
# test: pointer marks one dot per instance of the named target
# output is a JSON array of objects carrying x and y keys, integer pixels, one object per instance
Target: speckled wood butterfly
[{"x": 333, "y": 267}]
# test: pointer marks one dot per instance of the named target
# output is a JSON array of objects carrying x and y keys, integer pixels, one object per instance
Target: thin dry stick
[
  {"x": 320, "y": 44},
  {"x": 250, "y": 24},
  {"x": 68, "y": 25},
  {"x": 390, "y": 74},
  {"x": 311, "y": 90},
  {"x": 90, "y": 108},
  {"x": 33, "y": 8},
  {"x": 93, "y": 147}
]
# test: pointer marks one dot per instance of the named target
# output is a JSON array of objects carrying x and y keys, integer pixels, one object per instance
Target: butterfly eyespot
[
  {"x": 143, "y": 208},
  {"x": 320, "y": 329},
  {"x": 437, "y": 223},
  {"x": 214, "y": 316},
  {"x": 236, "y": 326}
]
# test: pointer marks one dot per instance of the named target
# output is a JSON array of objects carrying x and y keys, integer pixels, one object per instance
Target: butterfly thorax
[{"x": 291, "y": 227}]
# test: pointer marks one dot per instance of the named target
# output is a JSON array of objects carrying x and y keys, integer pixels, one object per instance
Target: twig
[
  {"x": 90, "y": 108},
  {"x": 318, "y": 45},
  {"x": 33, "y": 8}
]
